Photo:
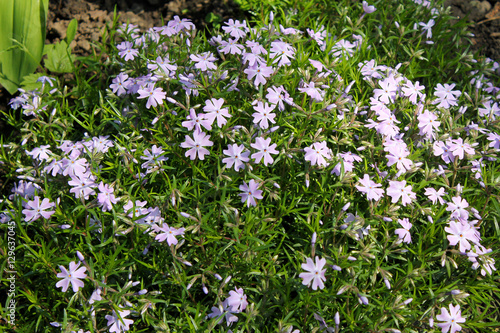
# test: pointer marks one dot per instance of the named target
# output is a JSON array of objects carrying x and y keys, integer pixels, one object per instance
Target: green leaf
[
  {"x": 71, "y": 31},
  {"x": 59, "y": 58},
  {"x": 22, "y": 38}
]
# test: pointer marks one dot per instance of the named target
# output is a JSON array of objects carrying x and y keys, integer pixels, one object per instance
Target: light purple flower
[
  {"x": 265, "y": 149},
  {"x": 282, "y": 52},
  {"x": 214, "y": 110},
  {"x": 119, "y": 324},
  {"x": 427, "y": 123},
  {"x": 457, "y": 207},
  {"x": 237, "y": 300},
  {"x": 204, "y": 61},
  {"x": 370, "y": 188},
  {"x": 446, "y": 97},
  {"x": 450, "y": 319},
  {"x": 106, "y": 199},
  {"x": 235, "y": 28},
  {"x": 263, "y": 115},
  {"x": 196, "y": 146},
  {"x": 40, "y": 153},
  {"x": 237, "y": 156},
  {"x": 260, "y": 72},
  {"x": 461, "y": 233},
  {"x": 398, "y": 189},
  {"x": 167, "y": 233},
  {"x": 367, "y": 8},
  {"x": 196, "y": 121},
  {"x": 35, "y": 209},
  {"x": 120, "y": 84},
  {"x": 404, "y": 233},
  {"x": 434, "y": 195},
  {"x": 315, "y": 93},
  {"x": 250, "y": 193},
  {"x": 278, "y": 95},
  {"x": 73, "y": 276},
  {"x": 154, "y": 95},
  {"x": 127, "y": 51},
  {"x": 315, "y": 273},
  {"x": 318, "y": 153}
]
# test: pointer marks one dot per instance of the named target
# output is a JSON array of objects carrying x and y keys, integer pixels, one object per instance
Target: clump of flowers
[{"x": 243, "y": 154}]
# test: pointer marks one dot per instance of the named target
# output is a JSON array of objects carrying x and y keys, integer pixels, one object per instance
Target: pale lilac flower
[
  {"x": 196, "y": 121},
  {"x": 179, "y": 24},
  {"x": 96, "y": 296},
  {"x": 315, "y": 93},
  {"x": 450, "y": 320},
  {"x": 387, "y": 93},
  {"x": 434, "y": 195},
  {"x": 487, "y": 263},
  {"x": 196, "y": 146},
  {"x": 398, "y": 189},
  {"x": 119, "y": 324},
  {"x": 367, "y": 8},
  {"x": 24, "y": 189},
  {"x": 458, "y": 147},
  {"x": 489, "y": 110},
  {"x": 278, "y": 95},
  {"x": 260, "y": 72},
  {"x": 73, "y": 276},
  {"x": 398, "y": 156},
  {"x": 427, "y": 27},
  {"x": 231, "y": 46},
  {"x": 127, "y": 51},
  {"x": 343, "y": 48},
  {"x": 457, "y": 207},
  {"x": 204, "y": 61},
  {"x": 252, "y": 59},
  {"x": 164, "y": 64},
  {"x": 494, "y": 139},
  {"x": 120, "y": 84},
  {"x": 315, "y": 274},
  {"x": 99, "y": 144},
  {"x": 237, "y": 156},
  {"x": 83, "y": 185},
  {"x": 36, "y": 209},
  {"x": 265, "y": 149},
  {"x": 106, "y": 199},
  {"x": 370, "y": 188},
  {"x": 289, "y": 31},
  {"x": 250, "y": 193},
  {"x": 235, "y": 28},
  {"x": 282, "y": 52},
  {"x": 74, "y": 166},
  {"x": 412, "y": 91},
  {"x": 237, "y": 300},
  {"x": 370, "y": 70},
  {"x": 318, "y": 153},
  {"x": 214, "y": 110},
  {"x": 427, "y": 123},
  {"x": 255, "y": 47},
  {"x": 461, "y": 233},
  {"x": 40, "y": 153},
  {"x": 404, "y": 233},
  {"x": 446, "y": 97},
  {"x": 442, "y": 149},
  {"x": 167, "y": 233},
  {"x": 348, "y": 160},
  {"x": 263, "y": 115},
  {"x": 154, "y": 95}
]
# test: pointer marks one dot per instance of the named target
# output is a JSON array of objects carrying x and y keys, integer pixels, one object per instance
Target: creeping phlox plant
[{"x": 274, "y": 178}]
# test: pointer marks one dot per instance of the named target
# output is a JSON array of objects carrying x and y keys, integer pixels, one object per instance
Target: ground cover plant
[{"x": 331, "y": 167}]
